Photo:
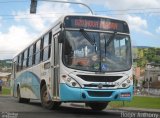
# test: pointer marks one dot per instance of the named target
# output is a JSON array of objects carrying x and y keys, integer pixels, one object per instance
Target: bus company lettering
[
  {"x": 86, "y": 23},
  {"x": 95, "y": 24},
  {"x": 108, "y": 25}
]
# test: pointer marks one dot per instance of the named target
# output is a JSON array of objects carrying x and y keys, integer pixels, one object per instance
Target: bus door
[
  {"x": 13, "y": 77},
  {"x": 55, "y": 49}
]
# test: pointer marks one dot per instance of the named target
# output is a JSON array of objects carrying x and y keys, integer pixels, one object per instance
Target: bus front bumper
[{"x": 81, "y": 95}]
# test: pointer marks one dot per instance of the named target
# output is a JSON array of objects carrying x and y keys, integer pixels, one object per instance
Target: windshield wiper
[
  {"x": 111, "y": 38},
  {"x": 86, "y": 36}
]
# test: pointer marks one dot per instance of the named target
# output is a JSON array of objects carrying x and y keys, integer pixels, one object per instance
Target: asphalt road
[{"x": 10, "y": 108}]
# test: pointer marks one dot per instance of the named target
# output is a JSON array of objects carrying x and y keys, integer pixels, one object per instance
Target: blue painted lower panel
[
  {"x": 75, "y": 94},
  {"x": 30, "y": 82}
]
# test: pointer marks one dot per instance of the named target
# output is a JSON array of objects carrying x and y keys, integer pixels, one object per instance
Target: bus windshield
[{"x": 97, "y": 51}]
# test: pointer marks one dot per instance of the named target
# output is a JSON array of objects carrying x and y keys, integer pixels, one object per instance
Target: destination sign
[{"x": 95, "y": 23}]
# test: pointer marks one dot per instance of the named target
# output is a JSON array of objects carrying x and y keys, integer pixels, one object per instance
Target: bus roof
[
  {"x": 99, "y": 16},
  {"x": 95, "y": 23},
  {"x": 61, "y": 20}
]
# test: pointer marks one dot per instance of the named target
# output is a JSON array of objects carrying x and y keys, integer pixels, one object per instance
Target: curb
[
  {"x": 1, "y": 95},
  {"x": 138, "y": 109},
  {"x": 82, "y": 105},
  {"x": 78, "y": 105}
]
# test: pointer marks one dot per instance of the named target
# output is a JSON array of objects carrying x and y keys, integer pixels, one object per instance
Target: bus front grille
[
  {"x": 100, "y": 93},
  {"x": 92, "y": 85},
  {"x": 92, "y": 78}
]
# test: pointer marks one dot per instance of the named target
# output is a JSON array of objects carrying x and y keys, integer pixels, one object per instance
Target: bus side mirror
[{"x": 61, "y": 37}]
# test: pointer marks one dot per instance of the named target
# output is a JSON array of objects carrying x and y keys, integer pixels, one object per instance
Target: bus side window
[
  {"x": 37, "y": 51},
  {"x": 17, "y": 64},
  {"x": 22, "y": 59},
  {"x": 25, "y": 59},
  {"x": 41, "y": 50},
  {"x": 50, "y": 40},
  {"x": 30, "y": 56},
  {"x": 34, "y": 54},
  {"x": 46, "y": 46}
]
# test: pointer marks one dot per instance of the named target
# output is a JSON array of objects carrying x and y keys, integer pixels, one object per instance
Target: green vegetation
[
  {"x": 143, "y": 56},
  {"x": 138, "y": 102},
  {"x": 6, "y": 91},
  {"x": 5, "y": 63}
]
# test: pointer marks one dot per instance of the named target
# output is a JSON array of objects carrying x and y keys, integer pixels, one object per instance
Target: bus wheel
[
  {"x": 21, "y": 100},
  {"x": 97, "y": 106},
  {"x": 46, "y": 102}
]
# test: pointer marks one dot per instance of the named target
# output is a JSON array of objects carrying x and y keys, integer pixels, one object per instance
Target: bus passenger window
[
  {"x": 17, "y": 64},
  {"x": 37, "y": 52},
  {"x": 22, "y": 59},
  {"x": 46, "y": 40},
  {"x": 45, "y": 54},
  {"x": 46, "y": 46},
  {"x": 30, "y": 56},
  {"x": 25, "y": 59}
]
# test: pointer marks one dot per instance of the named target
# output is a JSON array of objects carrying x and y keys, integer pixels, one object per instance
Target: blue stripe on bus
[
  {"x": 75, "y": 94},
  {"x": 30, "y": 81}
]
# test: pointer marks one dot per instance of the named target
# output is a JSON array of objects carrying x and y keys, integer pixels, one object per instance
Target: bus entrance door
[{"x": 55, "y": 52}]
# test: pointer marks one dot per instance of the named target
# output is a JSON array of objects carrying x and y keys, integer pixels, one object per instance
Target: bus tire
[
  {"x": 97, "y": 106},
  {"x": 20, "y": 99},
  {"x": 45, "y": 102}
]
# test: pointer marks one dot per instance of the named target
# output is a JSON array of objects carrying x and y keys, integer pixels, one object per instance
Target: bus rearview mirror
[{"x": 61, "y": 37}]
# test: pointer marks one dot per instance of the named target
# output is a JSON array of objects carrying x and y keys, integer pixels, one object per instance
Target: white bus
[{"x": 81, "y": 58}]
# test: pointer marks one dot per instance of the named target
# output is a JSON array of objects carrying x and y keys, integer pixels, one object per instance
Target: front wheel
[
  {"x": 46, "y": 102},
  {"x": 98, "y": 106}
]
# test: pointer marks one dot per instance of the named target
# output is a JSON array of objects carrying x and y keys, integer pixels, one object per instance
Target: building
[
  {"x": 152, "y": 78},
  {"x": 152, "y": 73},
  {"x": 5, "y": 78},
  {"x": 137, "y": 73}
]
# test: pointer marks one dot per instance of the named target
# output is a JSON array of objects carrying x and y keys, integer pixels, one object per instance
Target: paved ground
[{"x": 10, "y": 108}]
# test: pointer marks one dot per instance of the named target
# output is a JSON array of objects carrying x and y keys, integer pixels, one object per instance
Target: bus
[{"x": 81, "y": 58}]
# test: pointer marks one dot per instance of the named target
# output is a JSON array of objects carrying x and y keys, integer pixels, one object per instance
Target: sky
[{"x": 18, "y": 28}]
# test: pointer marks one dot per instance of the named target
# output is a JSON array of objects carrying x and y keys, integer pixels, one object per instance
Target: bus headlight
[
  {"x": 71, "y": 82},
  {"x": 126, "y": 83}
]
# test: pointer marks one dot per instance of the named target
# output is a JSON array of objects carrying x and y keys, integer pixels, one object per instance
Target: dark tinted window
[
  {"x": 20, "y": 62},
  {"x": 17, "y": 63},
  {"x": 47, "y": 46},
  {"x": 30, "y": 55},
  {"x": 46, "y": 40},
  {"x": 37, "y": 52},
  {"x": 25, "y": 59}
]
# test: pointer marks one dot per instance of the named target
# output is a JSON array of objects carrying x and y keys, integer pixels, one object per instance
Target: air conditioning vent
[{"x": 100, "y": 93}]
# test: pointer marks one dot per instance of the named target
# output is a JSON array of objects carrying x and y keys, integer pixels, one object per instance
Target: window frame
[{"x": 28, "y": 57}]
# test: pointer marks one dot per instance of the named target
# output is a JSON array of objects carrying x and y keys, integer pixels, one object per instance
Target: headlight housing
[
  {"x": 71, "y": 82},
  {"x": 126, "y": 83}
]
